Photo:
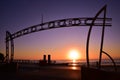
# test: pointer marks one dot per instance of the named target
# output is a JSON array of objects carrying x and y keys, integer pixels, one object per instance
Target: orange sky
[{"x": 19, "y": 14}]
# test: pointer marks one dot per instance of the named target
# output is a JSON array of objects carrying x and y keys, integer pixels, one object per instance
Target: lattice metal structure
[{"x": 70, "y": 22}]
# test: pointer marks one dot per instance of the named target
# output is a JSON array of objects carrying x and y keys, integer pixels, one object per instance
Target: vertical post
[
  {"x": 12, "y": 50},
  {"x": 9, "y": 38},
  {"x": 7, "y": 47},
  {"x": 87, "y": 47},
  {"x": 7, "y": 51},
  {"x": 89, "y": 33},
  {"x": 42, "y": 21},
  {"x": 102, "y": 38}
]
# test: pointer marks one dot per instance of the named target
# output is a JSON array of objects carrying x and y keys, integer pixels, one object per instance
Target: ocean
[{"x": 78, "y": 62}]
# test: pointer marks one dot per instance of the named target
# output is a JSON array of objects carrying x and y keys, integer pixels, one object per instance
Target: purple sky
[{"x": 19, "y": 14}]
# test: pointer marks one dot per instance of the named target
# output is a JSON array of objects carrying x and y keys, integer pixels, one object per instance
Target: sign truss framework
[{"x": 70, "y": 22}]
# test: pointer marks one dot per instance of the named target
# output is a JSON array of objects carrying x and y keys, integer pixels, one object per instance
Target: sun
[{"x": 74, "y": 55}]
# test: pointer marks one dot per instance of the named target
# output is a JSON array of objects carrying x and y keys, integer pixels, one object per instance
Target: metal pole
[
  {"x": 12, "y": 50},
  {"x": 89, "y": 32},
  {"x": 102, "y": 38},
  {"x": 7, "y": 47}
]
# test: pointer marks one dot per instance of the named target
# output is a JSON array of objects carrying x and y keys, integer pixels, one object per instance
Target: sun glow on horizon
[{"x": 74, "y": 55}]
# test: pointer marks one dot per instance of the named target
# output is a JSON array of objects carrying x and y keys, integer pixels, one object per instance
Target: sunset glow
[
  {"x": 62, "y": 43},
  {"x": 74, "y": 55}
]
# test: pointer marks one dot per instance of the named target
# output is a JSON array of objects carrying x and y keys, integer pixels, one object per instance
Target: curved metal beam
[
  {"x": 111, "y": 59},
  {"x": 59, "y": 24},
  {"x": 89, "y": 33},
  {"x": 85, "y": 21}
]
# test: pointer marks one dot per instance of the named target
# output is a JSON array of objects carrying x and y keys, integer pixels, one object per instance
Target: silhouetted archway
[{"x": 70, "y": 22}]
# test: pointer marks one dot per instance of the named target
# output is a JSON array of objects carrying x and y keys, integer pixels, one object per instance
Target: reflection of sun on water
[
  {"x": 74, "y": 61},
  {"x": 74, "y": 67},
  {"x": 74, "y": 55}
]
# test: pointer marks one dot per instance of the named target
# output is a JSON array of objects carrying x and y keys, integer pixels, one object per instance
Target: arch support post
[
  {"x": 102, "y": 37},
  {"x": 7, "y": 50},
  {"x": 9, "y": 38},
  {"x": 12, "y": 50},
  {"x": 89, "y": 33}
]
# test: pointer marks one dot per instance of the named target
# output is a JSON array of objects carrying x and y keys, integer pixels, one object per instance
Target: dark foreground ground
[
  {"x": 42, "y": 74},
  {"x": 57, "y": 72}
]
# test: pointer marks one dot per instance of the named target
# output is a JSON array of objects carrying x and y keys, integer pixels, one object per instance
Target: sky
[{"x": 16, "y": 15}]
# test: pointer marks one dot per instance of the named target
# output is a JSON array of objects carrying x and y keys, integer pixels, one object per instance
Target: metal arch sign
[{"x": 70, "y": 22}]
